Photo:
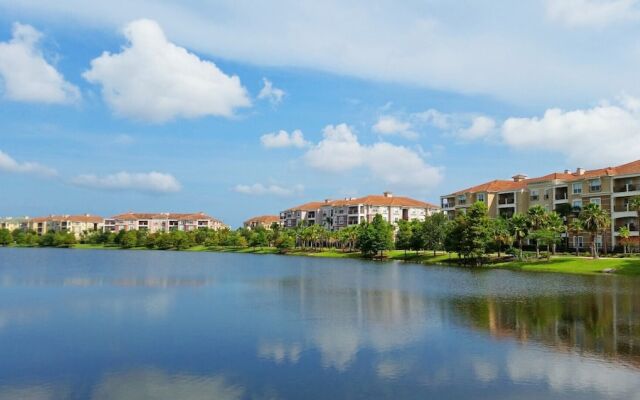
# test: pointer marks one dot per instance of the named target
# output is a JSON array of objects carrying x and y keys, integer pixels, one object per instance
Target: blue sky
[{"x": 421, "y": 98}]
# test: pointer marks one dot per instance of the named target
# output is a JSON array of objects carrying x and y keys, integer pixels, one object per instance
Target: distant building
[
  {"x": 76, "y": 224},
  {"x": 264, "y": 221},
  {"x": 13, "y": 223},
  {"x": 337, "y": 214},
  {"x": 161, "y": 222}
]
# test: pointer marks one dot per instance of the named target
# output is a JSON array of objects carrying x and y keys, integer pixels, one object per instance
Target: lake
[{"x": 115, "y": 324}]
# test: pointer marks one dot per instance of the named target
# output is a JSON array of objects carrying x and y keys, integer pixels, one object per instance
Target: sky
[{"x": 243, "y": 108}]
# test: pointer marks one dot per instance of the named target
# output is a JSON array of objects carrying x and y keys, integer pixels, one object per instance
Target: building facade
[
  {"x": 264, "y": 221},
  {"x": 338, "y": 214},
  {"x": 13, "y": 223},
  {"x": 76, "y": 224},
  {"x": 161, "y": 222},
  {"x": 611, "y": 188}
]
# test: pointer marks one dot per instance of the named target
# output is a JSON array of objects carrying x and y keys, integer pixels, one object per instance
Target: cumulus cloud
[
  {"x": 340, "y": 150},
  {"x": 258, "y": 189},
  {"x": 464, "y": 126},
  {"x": 8, "y": 164},
  {"x": 26, "y": 75},
  {"x": 608, "y": 132},
  {"x": 150, "y": 182},
  {"x": 270, "y": 92},
  {"x": 155, "y": 80},
  {"x": 390, "y": 125},
  {"x": 598, "y": 13},
  {"x": 284, "y": 139}
]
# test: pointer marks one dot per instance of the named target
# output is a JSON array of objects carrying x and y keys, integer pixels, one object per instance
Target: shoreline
[{"x": 628, "y": 266}]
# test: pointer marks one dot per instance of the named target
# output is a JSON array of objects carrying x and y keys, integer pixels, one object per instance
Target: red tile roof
[
  {"x": 372, "y": 200},
  {"x": 130, "y": 216},
  {"x": 263, "y": 219},
  {"x": 71, "y": 218}
]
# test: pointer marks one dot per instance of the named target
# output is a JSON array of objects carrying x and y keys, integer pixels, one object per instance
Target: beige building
[
  {"x": 13, "y": 223},
  {"x": 337, "y": 214},
  {"x": 161, "y": 222},
  {"x": 611, "y": 188},
  {"x": 264, "y": 221},
  {"x": 76, "y": 224}
]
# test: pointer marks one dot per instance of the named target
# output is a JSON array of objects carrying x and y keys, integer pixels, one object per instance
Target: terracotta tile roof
[
  {"x": 373, "y": 200},
  {"x": 504, "y": 185},
  {"x": 493, "y": 186},
  {"x": 311, "y": 206},
  {"x": 131, "y": 216},
  {"x": 71, "y": 218},
  {"x": 263, "y": 219}
]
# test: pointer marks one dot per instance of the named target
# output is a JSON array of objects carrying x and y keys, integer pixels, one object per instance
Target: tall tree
[
  {"x": 476, "y": 233},
  {"x": 576, "y": 227},
  {"x": 6, "y": 238},
  {"x": 375, "y": 237},
  {"x": 519, "y": 229},
  {"x": 500, "y": 233},
  {"x": 403, "y": 236},
  {"x": 537, "y": 219},
  {"x": 595, "y": 220},
  {"x": 435, "y": 231},
  {"x": 624, "y": 233}
]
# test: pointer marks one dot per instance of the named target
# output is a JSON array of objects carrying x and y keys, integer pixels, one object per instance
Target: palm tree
[
  {"x": 594, "y": 219},
  {"x": 519, "y": 229},
  {"x": 575, "y": 227},
  {"x": 537, "y": 219},
  {"x": 623, "y": 234},
  {"x": 555, "y": 223},
  {"x": 634, "y": 204},
  {"x": 500, "y": 233}
]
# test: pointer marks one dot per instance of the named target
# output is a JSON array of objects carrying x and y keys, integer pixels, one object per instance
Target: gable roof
[{"x": 263, "y": 219}]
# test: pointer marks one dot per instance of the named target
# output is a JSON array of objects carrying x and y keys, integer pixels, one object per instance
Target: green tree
[
  {"x": 375, "y": 237},
  {"x": 129, "y": 240},
  {"x": 403, "y": 236},
  {"x": 285, "y": 242},
  {"x": 575, "y": 228},
  {"x": 181, "y": 240},
  {"x": 6, "y": 238},
  {"x": 624, "y": 233},
  {"x": 555, "y": 223},
  {"x": 594, "y": 220},
  {"x": 537, "y": 220},
  {"x": 500, "y": 233},
  {"x": 519, "y": 228},
  {"x": 476, "y": 233},
  {"x": 418, "y": 236},
  {"x": 435, "y": 231},
  {"x": 164, "y": 241}
]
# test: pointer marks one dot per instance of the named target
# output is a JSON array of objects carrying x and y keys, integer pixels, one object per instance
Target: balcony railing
[
  {"x": 631, "y": 227},
  {"x": 622, "y": 208},
  {"x": 562, "y": 196},
  {"x": 626, "y": 188},
  {"x": 507, "y": 200}
]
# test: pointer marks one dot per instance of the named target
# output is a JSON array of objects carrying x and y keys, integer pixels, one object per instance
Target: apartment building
[
  {"x": 161, "y": 222},
  {"x": 76, "y": 224},
  {"x": 13, "y": 223},
  {"x": 337, "y": 214},
  {"x": 264, "y": 221},
  {"x": 611, "y": 188}
]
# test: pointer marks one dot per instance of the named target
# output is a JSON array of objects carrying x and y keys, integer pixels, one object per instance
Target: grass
[{"x": 561, "y": 263}]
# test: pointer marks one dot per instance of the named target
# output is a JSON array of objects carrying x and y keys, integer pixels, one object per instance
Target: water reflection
[{"x": 228, "y": 326}]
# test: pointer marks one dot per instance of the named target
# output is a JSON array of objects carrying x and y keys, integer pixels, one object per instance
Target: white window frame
[
  {"x": 577, "y": 188},
  {"x": 576, "y": 203},
  {"x": 596, "y": 200},
  {"x": 480, "y": 197},
  {"x": 578, "y": 241}
]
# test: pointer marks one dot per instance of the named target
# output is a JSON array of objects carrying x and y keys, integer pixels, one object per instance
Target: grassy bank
[{"x": 562, "y": 263}]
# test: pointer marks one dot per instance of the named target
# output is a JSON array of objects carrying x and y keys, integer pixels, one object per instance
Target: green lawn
[{"x": 562, "y": 264}]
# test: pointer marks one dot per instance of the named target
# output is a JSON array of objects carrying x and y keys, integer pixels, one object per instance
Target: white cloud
[
  {"x": 480, "y": 127},
  {"x": 390, "y": 125},
  {"x": 152, "y": 79},
  {"x": 606, "y": 133},
  {"x": 270, "y": 92},
  {"x": 444, "y": 45},
  {"x": 258, "y": 189},
  {"x": 151, "y": 182},
  {"x": 8, "y": 164},
  {"x": 465, "y": 126},
  {"x": 597, "y": 13},
  {"x": 340, "y": 150},
  {"x": 284, "y": 139},
  {"x": 26, "y": 75}
]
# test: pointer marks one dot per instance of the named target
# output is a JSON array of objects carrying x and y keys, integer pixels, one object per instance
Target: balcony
[
  {"x": 625, "y": 188},
  {"x": 561, "y": 196}
]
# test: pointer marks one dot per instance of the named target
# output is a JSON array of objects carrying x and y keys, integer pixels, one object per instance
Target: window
[
  {"x": 576, "y": 204},
  {"x": 578, "y": 241},
  {"x": 480, "y": 197},
  {"x": 596, "y": 200},
  {"x": 462, "y": 199},
  {"x": 534, "y": 196},
  {"x": 595, "y": 185},
  {"x": 577, "y": 188},
  {"x": 599, "y": 241}
]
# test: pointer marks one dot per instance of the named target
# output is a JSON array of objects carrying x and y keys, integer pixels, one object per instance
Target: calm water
[{"x": 83, "y": 324}]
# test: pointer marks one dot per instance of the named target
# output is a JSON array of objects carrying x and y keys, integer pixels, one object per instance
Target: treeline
[{"x": 473, "y": 236}]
